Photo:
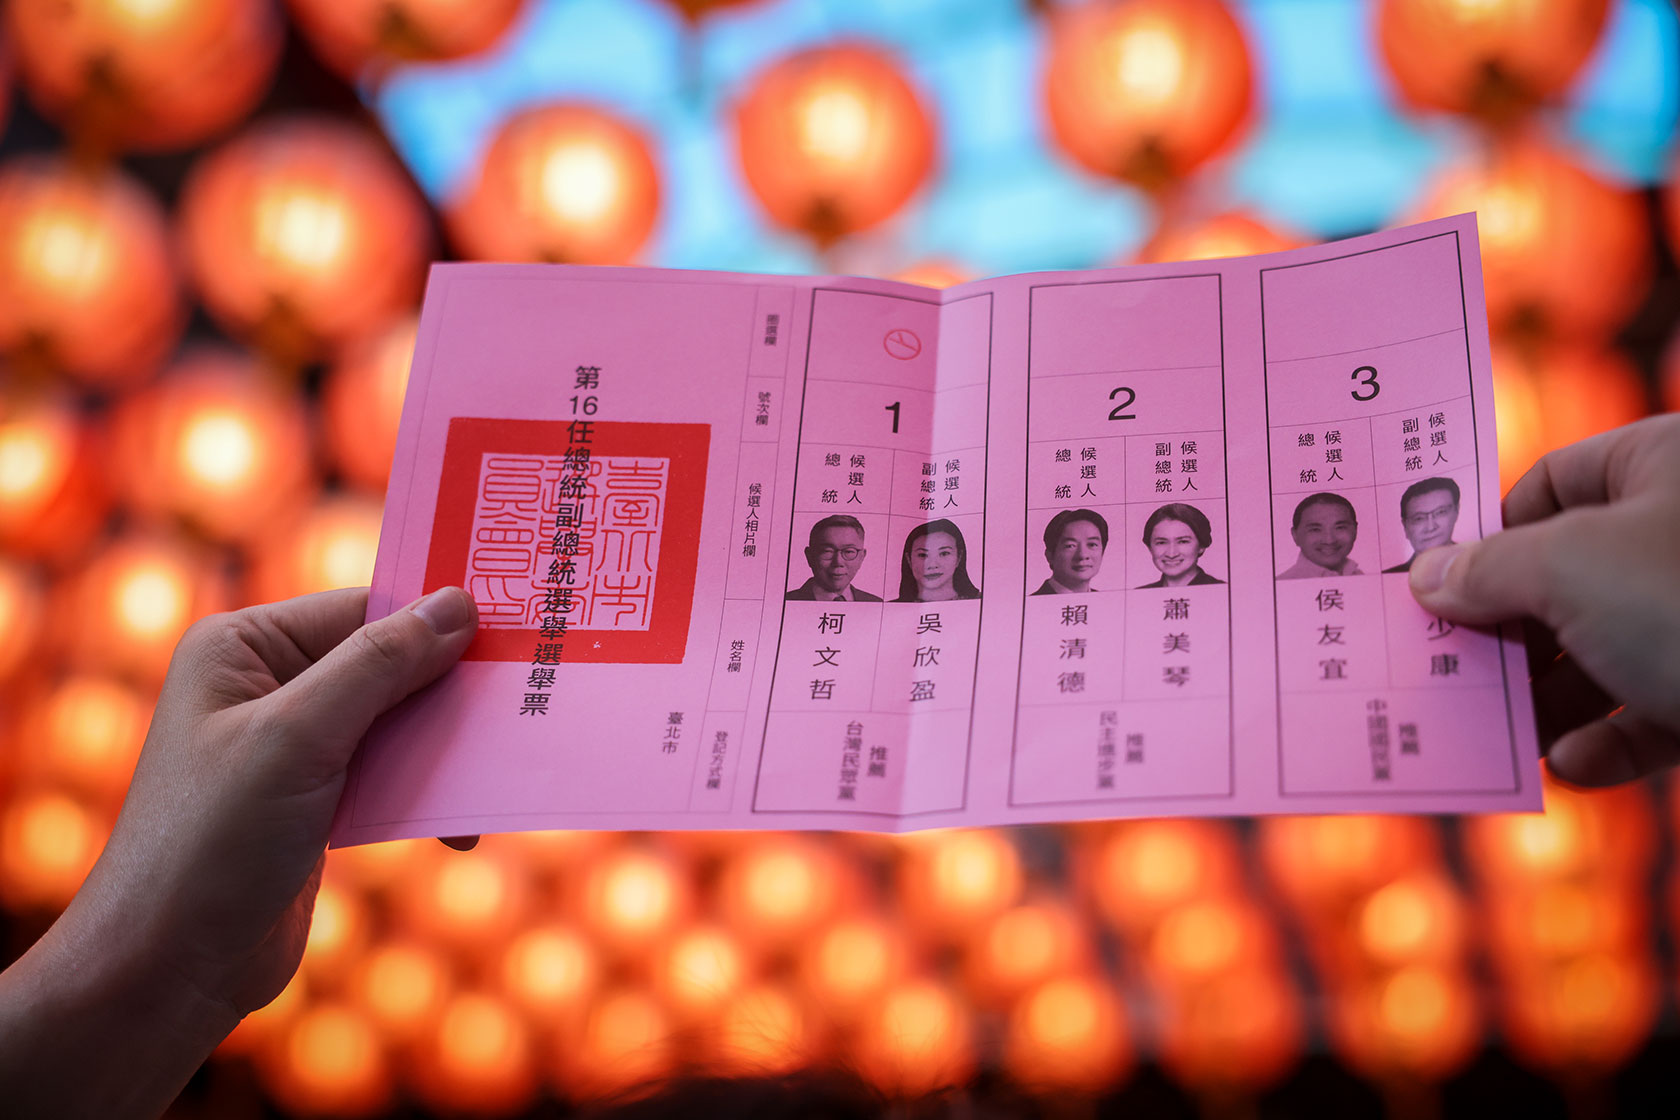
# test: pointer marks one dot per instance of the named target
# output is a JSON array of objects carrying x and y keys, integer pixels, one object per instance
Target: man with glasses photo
[
  {"x": 835, "y": 553},
  {"x": 1428, "y": 512}
]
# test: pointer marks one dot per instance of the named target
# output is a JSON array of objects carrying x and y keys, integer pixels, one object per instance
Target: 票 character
[
  {"x": 1428, "y": 512},
  {"x": 1324, "y": 529},
  {"x": 835, "y": 553},
  {"x": 1176, "y": 536},
  {"x": 935, "y": 565},
  {"x": 1074, "y": 544}
]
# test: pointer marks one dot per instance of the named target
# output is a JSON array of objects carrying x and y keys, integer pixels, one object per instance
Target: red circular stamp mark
[{"x": 902, "y": 344}]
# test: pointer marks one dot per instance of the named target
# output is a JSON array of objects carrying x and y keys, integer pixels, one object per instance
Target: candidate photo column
[{"x": 1373, "y": 458}]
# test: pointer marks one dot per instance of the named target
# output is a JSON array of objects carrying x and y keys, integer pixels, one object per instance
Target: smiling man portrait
[
  {"x": 1324, "y": 529},
  {"x": 1074, "y": 544},
  {"x": 835, "y": 553}
]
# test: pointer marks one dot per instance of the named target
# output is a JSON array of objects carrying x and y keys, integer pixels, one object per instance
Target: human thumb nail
[
  {"x": 445, "y": 610},
  {"x": 1429, "y": 570}
]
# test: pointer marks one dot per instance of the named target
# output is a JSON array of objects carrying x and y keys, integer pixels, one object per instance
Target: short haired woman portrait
[
  {"x": 1176, "y": 535},
  {"x": 934, "y": 567}
]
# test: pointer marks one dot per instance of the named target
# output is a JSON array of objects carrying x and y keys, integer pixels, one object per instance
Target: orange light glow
[
  {"x": 217, "y": 442},
  {"x": 48, "y": 842},
  {"x": 1419, "y": 919},
  {"x": 22, "y": 612},
  {"x": 1519, "y": 422},
  {"x": 631, "y": 897},
  {"x": 52, "y": 494},
  {"x": 1233, "y": 234},
  {"x": 1492, "y": 58},
  {"x": 1586, "y": 1016},
  {"x": 934, "y": 274},
  {"x": 328, "y": 1060},
  {"x": 85, "y": 733},
  {"x": 152, "y": 75},
  {"x": 1068, "y": 1034},
  {"x": 1147, "y": 92},
  {"x": 1607, "y": 836},
  {"x": 1539, "y": 925},
  {"x": 1323, "y": 864},
  {"x": 1138, "y": 870},
  {"x": 700, "y": 972},
  {"x": 1583, "y": 390},
  {"x": 402, "y": 985},
  {"x": 472, "y": 901},
  {"x": 257, "y": 1031},
  {"x": 1419, "y": 1021},
  {"x": 124, "y": 611},
  {"x": 833, "y": 140},
  {"x": 779, "y": 888},
  {"x": 332, "y": 545},
  {"x": 563, "y": 183},
  {"x": 353, "y": 35},
  {"x": 955, "y": 878},
  {"x": 850, "y": 963},
  {"x": 480, "y": 1058},
  {"x": 626, "y": 1041},
  {"x": 1209, "y": 936},
  {"x": 1024, "y": 946},
  {"x": 338, "y": 934},
  {"x": 304, "y": 234},
  {"x": 384, "y": 867},
  {"x": 362, "y": 402},
  {"x": 1565, "y": 252},
  {"x": 763, "y": 1031},
  {"x": 88, "y": 284},
  {"x": 1239, "y": 1031},
  {"x": 917, "y": 1039},
  {"x": 551, "y": 971}
]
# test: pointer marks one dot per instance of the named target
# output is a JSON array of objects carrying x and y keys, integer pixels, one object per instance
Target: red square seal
[{"x": 518, "y": 501}]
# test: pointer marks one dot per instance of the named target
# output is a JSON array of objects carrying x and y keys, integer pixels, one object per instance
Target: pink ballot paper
[{"x": 822, "y": 552}]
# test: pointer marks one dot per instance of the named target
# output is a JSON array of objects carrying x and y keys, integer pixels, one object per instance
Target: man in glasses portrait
[
  {"x": 835, "y": 553},
  {"x": 1428, "y": 512}
]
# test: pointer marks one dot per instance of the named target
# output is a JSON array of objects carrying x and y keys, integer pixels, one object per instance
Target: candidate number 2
[
  {"x": 1368, "y": 381},
  {"x": 1118, "y": 412}
]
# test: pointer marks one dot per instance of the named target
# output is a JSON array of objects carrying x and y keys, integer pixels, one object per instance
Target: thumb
[
  {"x": 331, "y": 704},
  {"x": 1516, "y": 573}
]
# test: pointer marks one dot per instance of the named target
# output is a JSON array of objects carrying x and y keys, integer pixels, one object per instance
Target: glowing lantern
[
  {"x": 952, "y": 879},
  {"x": 1138, "y": 871},
  {"x": 1232, "y": 234},
  {"x": 303, "y": 234},
  {"x": 48, "y": 842},
  {"x": 934, "y": 274},
  {"x": 1323, "y": 864},
  {"x": 630, "y": 897},
  {"x": 917, "y": 1040},
  {"x": 375, "y": 868},
  {"x": 87, "y": 282},
  {"x": 1418, "y": 1023},
  {"x": 362, "y": 403},
  {"x": 216, "y": 442},
  {"x": 479, "y": 1059},
  {"x": 1583, "y": 391},
  {"x": 328, "y": 1060},
  {"x": 402, "y": 985},
  {"x": 1490, "y": 58},
  {"x": 1068, "y": 1034},
  {"x": 1146, "y": 92},
  {"x": 143, "y": 73},
  {"x": 124, "y": 612},
  {"x": 551, "y": 971},
  {"x": 1024, "y": 946},
  {"x": 352, "y": 34},
  {"x": 1517, "y": 417},
  {"x": 339, "y": 930},
  {"x": 833, "y": 140},
  {"x": 85, "y": 732},
  {"x": 846, "y": 967},
  {"x": 1537, "y": 926},
  {"x": 1587, "y": 1016},
  {"x": 52, "y": 495},
  {"x": 762, "y": 1031},
  {"x": 22, "y": 613},
  {"x": 333, "y": 545},
  {"x": 700, "y": 972},
  {"x": 1607, "y": 836},
  {"x": 1209, "y": 936},
  {"x": 780, "y": 888},
  {"x": 469, "y": 901},
  {"x": 1236, "y": 1033},
  {"x": 1419, "y": 919},
  {"x": 1563, "y": 251},
  {"x": 563, "y": 183},
  {"x": 626, "y": 1041}
]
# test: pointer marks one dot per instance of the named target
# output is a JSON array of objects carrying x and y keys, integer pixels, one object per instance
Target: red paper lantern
[
  {"x": 303, "y": 234},
  {"x": 1518, "y": 420},
  {"x": 763, "y": 1031},
  {"x": 1025, "y": 946},
  {"x": 48, "y": 844},
  {"x": 331, "y": 545},
  {"x": 562, "y": 183},
  {"x": 52, "y": 492},
  {"x": 354, "y": 34},
  {"x": 1147, "y": 92},
  {"x": 626, "y": 1040},
  {"x": 917, "y": 1039},
  {"x": 145, "y": 75},
  {"x": 953, "y": 879},
  {"x": 328, "y": 1060},
  {"x": 218, "y": 442},
  {"x": 22, "y": 613},
  {"x": 1068, "y": 1035},
  {"x": 846, "y": 967},
  {"x": 1420, "y": 1023},
  {"x": 833, "y": 140},
  {"x": 87, "y": 282},
  {"x": 1233, "y": 234},
  {"x": 1490, "y": 58},
  {"x": 402, "y": 986},
  {"x": 1564, "y": 251},
  {"x": 1233, "y": 1034},
  {"x": 362, "y": 403},
  {"x": 779, "y": 888},
  {"x": 1137, "y": 871},
  {"x": 700, "y": 972},
  {"x": 479, "y": 1059},
  {"x": 85, "y": 733},
  {"x": 1585, "y": 1017}
]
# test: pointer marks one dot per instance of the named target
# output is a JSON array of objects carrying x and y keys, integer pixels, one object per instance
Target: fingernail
[
  {"x": 445, "y": 610},
  {"x": 1429, "y": 570}
]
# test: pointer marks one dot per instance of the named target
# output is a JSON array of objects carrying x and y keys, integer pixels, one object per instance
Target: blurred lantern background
[{"x": 214, "y": 221}]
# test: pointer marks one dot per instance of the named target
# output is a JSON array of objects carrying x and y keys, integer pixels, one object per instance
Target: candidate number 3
[{"x": 1367, "y": 378}]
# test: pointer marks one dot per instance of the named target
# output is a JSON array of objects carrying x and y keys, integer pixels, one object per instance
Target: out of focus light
[
  {"x": 48, "y": 842},
  {"x": 1068, "y": 1034},
  {"x": 333, "y": 545},
  {"x": 953, "y": 879},
  {"x": 630, "y": 897},
  {"x": 481, "y": 1058},
  {"x": 550, "y": 971},
  {"x": 626, "y": 1041},
  {"x": 22, "y": 613},
  {"x": 362, "y": 403},
  {"x": 470, "y": 900},
  {"x": 51, "y": 499},
  {"x": 1140, "y": 870},
  {"x": 85, "y": 732},
  {"x": 338, "y": 933},
  {"x": 918, "y": 1039},
  {"x": 851, "y": 962},
  {"x": 701, "y": 971},
  {"x": 763, "y": 1031},
  {"x": 402, "y": 985},
  {"x": 1023, "y": 946},
  {"x": 329, "y": 1060}
]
